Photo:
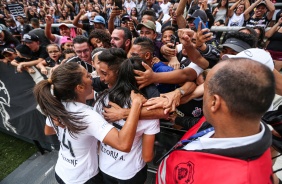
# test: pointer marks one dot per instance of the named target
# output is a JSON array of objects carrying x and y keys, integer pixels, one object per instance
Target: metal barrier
[
  {"x": 230, "y": 4},
  {"x": 213, "y": 28},
  {"x": 226, "y": 28}
]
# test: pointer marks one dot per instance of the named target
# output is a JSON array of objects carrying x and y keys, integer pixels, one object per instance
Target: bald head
[{"x": 246, "y": 86}]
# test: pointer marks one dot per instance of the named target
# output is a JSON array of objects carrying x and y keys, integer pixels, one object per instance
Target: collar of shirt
[{"x": 206, "y": 142}]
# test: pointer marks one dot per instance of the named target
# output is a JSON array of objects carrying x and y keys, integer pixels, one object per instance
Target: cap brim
[
  {"x": 139, "y": 26},
  {"x": 7, "y": 52},
  {"x": 234, "y": 47},
  {"x": 191, "y": 18},
  {"x": 63, "y": 25},
  {"x": 99, "y": 22},
  {"x": 28, "y": 41}
]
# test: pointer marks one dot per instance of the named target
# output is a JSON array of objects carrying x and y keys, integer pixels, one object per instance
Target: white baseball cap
[{"x": 255, "y": 54}]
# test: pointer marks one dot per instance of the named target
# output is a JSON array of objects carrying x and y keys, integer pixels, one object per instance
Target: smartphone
[
  {"x": 118, "y": 3},
  {"x": 173, "y": 40},
  {"x": 197, "y": 21}
]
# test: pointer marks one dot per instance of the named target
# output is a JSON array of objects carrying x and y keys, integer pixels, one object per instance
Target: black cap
[
  {"x": 236, "y": 44},
  {"x": 125, "y": 17},
  {"x": 201, "y": 14},
  {"x": 24, "y": 51},
  {"x": 9, "y": 50},
  {"x": 30, "y": 37}
]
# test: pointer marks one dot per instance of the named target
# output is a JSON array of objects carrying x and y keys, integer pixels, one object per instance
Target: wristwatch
[{"x": 182, "y": 92}]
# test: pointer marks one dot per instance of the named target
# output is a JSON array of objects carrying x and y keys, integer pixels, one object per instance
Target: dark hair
[
  {"x": 260, "y": 36},
  {"x": 64, "y": 81},
  {"x": 67, "y": 51},
  {"x": 221, "y": 21},
  {"x": 250, "y": 29},
  {"x": 248, "y": 38},
  {"x": 80, "y": 39},
  {"x": 226, "y": 6},
  {"x": 64, "y": 17},
  {"x": 150, "y": 13},
  {"x": 102, "y": 35},
  {"x": 53, "y": 44},
  {"x": 9, "y": 38},
  {"x": 146, "y": 44},
  {"x": 113, "y": 57},
  {"x": 170, "y": 28},
  {"x": 137, "y": 14},
  {"x": 126, "y": 82},
  {"x": 127, "y": 33},
  {"x": 252, "y": 88}
]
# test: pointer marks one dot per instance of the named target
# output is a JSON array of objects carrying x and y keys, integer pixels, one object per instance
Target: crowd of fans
[{"x": 173, "y": 40}]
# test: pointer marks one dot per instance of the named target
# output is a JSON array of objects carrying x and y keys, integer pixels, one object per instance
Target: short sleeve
[
  {"x": 153, "y": 126},
  {"x": 97, "y": 126}
]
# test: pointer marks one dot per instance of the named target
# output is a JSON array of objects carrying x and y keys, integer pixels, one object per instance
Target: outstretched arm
[
  {"x": 48, "y": 33},
  {"x": 181, "y": 22},
  {"x": 116, "y": 113},
  {"x": 77, "y": 18},
  {"x": 271, "y": 9},
  {"x": 273, "y": 29},
  {"x": 231, "y": 9},
  {"x": 248, "y": 10}
]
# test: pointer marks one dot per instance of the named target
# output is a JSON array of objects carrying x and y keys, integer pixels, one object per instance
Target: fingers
[
  {"x": 199, "y": 26},
  {"x": 141, "y": 85},
  {"x": 175, "y": 65},
  {"x": 112, "y": 104},
  {"x": 147, "y": 67},
  {"x": 138, "y": 72},
  {"x": 155, "y": 106},
  {"x": 151, "y": 101},
  {"x": 167, "y": 111}
]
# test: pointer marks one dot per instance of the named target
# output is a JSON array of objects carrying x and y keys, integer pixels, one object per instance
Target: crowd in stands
[{"x": 165, "y": 50}]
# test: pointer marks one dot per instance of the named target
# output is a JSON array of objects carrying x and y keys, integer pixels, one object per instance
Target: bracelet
[{"x": 182, "y": 92}]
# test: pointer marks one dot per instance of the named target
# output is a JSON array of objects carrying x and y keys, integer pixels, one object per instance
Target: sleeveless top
[
  {"x": 236, "y": 20},
  {"x": 275, "y": 42},
  {"x": 221, "y": 14}
]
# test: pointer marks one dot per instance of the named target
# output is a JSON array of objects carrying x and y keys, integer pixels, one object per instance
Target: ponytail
[{"x": 49, "y": 97}]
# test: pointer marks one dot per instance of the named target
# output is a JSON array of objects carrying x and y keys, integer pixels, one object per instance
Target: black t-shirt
[
  {"x": 150, "y": 91},
  {"x": 19, "y": 60},
  {"x": 86, "y": 65},
  {"x": 24, "y": 29},
  {"x": 88, "y": 28},
  {"x": 51, "y": 63},
  {"x": 41, "y": 53},
  {"x": 11, "y": 43},
  {"x": 44, "y": 41}
]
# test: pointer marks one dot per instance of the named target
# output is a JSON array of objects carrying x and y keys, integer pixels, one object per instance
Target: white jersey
[
  {"x": 78, "y": 160},
  {"x": 123, "y": 165},
  {"x": 165, "y": 7},
  {"x": 236, "y": 20}
]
